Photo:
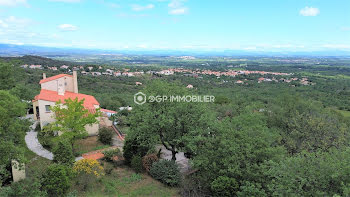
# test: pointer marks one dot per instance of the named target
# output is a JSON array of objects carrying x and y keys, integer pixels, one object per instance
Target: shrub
[
  {"x": 88, "y": 166},
  {"x": 132, "y": 147},
  {"x": 63, "y": 153},
  {"x": 25, "y": 188},
  {"x": 46, "y": 137},
  {"x": 224, "y": 186},
  {"x": 166, "y": 172},
  {"x": 56, "y": 180},
  {"x": 251, "y": 189},
  {"x": 111, "y": 153},
  {"x": 136, "y": 164},
  {"x": 87, "y": 170},
  {"x": 105, "y": 135},
  {"x": 148, "y": 160}
]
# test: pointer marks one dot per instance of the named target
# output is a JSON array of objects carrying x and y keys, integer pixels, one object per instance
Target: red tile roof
[
  {"x": 53, "y": 96},
  {"x": 108, "y": 111},
  {"x": 54, "y": 77}
]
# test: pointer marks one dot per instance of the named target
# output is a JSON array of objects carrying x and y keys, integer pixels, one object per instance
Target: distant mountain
[
  {"x": 20, "y": 50},
  {"x": 31, "y": 59}
]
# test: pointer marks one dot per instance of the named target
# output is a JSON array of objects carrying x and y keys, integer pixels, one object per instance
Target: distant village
[{"x": 197, "y": 73}]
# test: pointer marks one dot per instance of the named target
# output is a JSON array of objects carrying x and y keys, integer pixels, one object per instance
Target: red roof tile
[
  {"x": 53, "y": 96},
  {"x": 108, "y": 111},
  {"x": 54, "y": 77}
]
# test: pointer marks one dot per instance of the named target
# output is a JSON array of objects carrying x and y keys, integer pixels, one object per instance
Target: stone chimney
[
  {"x": 44, "y": 75},
  {"x": 75, "y": 82}
]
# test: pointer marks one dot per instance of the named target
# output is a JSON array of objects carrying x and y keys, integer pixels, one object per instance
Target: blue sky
[{"x": 269, "y": 25}]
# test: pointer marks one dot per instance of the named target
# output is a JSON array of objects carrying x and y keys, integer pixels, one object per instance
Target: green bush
[
  {"x": 105, "y": 135},
  {"x": 166, "y": 172},
  {"x": 63, "y": 153},
  {"x": 132, "y": 147},
  {"x": 56, "y": 180},
  {"x": 136, "y": 164},
  {"x": 148, "y": 160},
  {"x": 224, "y": 186},
  {"x": 46, "y": 137},
  {"x": 25, "y": 188},
  {"x": 109, "y": 154}
]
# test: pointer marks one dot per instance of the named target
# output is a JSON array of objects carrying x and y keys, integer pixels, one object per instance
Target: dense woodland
[{"x": 256, "y": 139}]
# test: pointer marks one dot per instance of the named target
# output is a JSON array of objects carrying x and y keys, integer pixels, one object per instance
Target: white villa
[{"x": 59, "y": 88}]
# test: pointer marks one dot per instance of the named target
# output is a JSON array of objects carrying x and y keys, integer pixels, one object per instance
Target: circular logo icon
[{"x": 140, "y": 98}]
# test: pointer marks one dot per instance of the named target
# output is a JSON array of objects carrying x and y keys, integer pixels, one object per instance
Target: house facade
[{"x": 59, "y": 88}]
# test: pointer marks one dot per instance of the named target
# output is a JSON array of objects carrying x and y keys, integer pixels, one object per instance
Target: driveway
[{"x": 33, "y": 143}]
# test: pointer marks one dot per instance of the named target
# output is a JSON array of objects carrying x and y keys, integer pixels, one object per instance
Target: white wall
[
  {"x": 52, "y": 85},
  {"x": 45, "y": 117}
]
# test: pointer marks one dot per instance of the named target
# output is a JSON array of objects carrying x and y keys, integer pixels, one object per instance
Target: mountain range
[{"x": 20, "y": 50}]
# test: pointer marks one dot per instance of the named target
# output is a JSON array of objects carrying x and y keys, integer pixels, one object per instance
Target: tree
[
  {"x": 304, "y": 125},
  {"x": 7, "y": 80},
  {"x": 311, "y": 174},
  {"x": 25, "y": 188},
  {"x": 224, "y": 186},
  {"x": 56, "y": 181},
  {"x": 12, "y": 132},
  {"x": 177, "y": 125},
  {"x": 137, "y": 143},
  {"x": 72, "y": 117},
  {"x": 63, "y": 153},
  {"x": 237, "y": 153}
]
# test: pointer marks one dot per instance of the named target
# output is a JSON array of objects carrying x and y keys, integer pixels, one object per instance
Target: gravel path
[
  {"x": 181, "y": 160},
  {"x": 34, "y": 145}
]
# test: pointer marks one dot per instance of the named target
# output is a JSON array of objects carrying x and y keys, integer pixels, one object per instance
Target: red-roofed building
[
  {"x": 59, "y": 88},
  {"x": 108, "y": 112}
]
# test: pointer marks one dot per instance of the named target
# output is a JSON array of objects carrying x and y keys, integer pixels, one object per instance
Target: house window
[{"x": 47, "y": 108}]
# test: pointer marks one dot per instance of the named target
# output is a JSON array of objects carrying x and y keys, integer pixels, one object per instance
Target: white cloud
[
  {"x": 3, "y": 24},
  {"x": 12, "y": 2},
  {"x": 345, "y": 28},
  {"x": 68, "y": 27},
  {"x": 66, "y": 1},
  {"x": 18, "y": 21},
  {"x": 137, "y": 7},
  {"x": 13, "y": 23},
  {"x": 309, "y": 11},
  {"x": 178, "y": 11},
  {"x": 126, "y": 15},
  {"x": 114, "y": 5},
  {"x": 336, "y": 46},
  {"x": 175, "y": 4},
  {"x": 177, "y": 7}
]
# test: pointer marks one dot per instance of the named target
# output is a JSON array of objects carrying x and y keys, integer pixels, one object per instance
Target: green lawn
[
  {"x": 123, "y": 181},
  {"x": 88, "y": 144}
]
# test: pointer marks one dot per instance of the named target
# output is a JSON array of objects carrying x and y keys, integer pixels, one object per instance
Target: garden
[{"x": 109, "y": 175}]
